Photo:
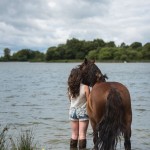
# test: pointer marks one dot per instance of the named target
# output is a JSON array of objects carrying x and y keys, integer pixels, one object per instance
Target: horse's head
[{"x": 91, "y": 73}]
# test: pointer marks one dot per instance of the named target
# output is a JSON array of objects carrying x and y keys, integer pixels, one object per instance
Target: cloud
[{"x": 39, "y": 24}]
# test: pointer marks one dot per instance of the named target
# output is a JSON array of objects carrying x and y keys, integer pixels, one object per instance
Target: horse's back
[
  {"x": 100, "y": 92},
  {"x": 124, "y": 93}
]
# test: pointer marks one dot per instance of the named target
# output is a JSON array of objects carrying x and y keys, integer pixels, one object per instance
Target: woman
[{"x": 78, "y": 95}]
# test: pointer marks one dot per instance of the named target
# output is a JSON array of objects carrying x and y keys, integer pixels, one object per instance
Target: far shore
[{"x": 79, "y": 61}]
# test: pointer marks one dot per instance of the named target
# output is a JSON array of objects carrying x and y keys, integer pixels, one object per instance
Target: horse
[{"x": 109, "y": 109}]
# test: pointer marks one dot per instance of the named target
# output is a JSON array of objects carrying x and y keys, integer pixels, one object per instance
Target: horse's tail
[{"x": 111, "y": 126}]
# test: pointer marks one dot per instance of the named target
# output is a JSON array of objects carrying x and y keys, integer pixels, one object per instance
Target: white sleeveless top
[{"x": 79, "y": 101}]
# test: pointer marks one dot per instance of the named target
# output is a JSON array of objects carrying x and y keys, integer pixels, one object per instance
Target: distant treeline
[{"x": 75, "y": 49}]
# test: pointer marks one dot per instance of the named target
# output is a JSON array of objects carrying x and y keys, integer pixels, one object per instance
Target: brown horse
[{"x": 109, "y": 109}]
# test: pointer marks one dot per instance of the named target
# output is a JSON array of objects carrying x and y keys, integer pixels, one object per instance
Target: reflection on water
[{"x": 34, "y": 95}]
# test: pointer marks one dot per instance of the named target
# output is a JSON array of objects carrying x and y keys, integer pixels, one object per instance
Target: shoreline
[{"x": 79, "y": 61}]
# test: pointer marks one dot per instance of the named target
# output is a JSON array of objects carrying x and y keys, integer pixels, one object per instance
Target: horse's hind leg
[
  {"x": 127, "y": 135},
  {"x": 127, "y": 142},
  {"x": 95, "y": 135}
]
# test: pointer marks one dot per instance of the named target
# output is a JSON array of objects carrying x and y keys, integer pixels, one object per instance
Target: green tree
[
  {"x": 73, "y": 46},
  {"x": 146, "y": 47},
  {"x": 80, "y": 55},
  {"x": 106, "y": 53},
  {"x": 89, "y": 46},
  {"x": 124, "y": 57},
  {"x": 69, "y": 54},
  {"x": 50, "y": 54},
  {"x": 7, "y": 55},
  {"x": 146, "y": 51},
  {"x": 132, "y": 54},
  {"x": 136, "y": 45},
  {"x": 92, "y": 54},
  {"x": 99, "y": 43},
  {"x": 122, "y": 45},
  {"x": 118, "y": 53},
  {"x": 38, "y": 56},
  {"x": 24, "y": 55},
  {"x": 61, "y": 49},
  {"x": 110, "y": 44},
  {"x": 146, "y": 55}
]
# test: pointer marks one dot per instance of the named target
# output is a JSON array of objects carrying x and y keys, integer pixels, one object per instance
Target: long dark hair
[{"x": 74, "y": 81}]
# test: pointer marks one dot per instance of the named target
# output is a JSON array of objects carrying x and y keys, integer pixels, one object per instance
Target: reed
[
  {"x": 25, "y": 141},
  {"x": 3, "y": 145}
]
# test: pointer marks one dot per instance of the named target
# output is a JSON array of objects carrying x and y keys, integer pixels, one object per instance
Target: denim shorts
[{"x": 76, "y": 114}]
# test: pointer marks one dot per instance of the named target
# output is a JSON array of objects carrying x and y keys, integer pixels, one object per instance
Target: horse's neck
[
  {"x": 99, "y": 82},
  {"x": 102, "y": 80}
]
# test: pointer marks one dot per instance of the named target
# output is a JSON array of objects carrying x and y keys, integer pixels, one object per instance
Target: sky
[{"x": 40, "y": 24}]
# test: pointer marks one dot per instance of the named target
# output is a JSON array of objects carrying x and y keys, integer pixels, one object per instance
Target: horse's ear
[
  {"x": 85, "y": 60},
  {"x": 93, "y": 61},
  {"x": 98, "y": 75}
]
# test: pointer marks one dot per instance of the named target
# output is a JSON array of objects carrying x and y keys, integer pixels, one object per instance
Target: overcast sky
[{"x": 39, "y": 24}]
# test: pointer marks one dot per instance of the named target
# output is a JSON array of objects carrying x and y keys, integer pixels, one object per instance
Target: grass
[
  {"x": 3, "y": 139},
  {"x": 25, "y": 141}
]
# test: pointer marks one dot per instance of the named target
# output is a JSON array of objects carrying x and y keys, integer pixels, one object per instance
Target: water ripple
[{"x": 35, "y": 95}]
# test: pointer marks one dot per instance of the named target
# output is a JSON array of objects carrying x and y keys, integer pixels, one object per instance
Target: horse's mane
[{"x": 104, "y": 77}]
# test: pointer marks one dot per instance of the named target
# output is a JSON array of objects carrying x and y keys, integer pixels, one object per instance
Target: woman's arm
[{"x": 87, "y": 91}]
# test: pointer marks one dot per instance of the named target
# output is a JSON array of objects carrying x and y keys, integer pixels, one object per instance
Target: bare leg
[
  {"x": 74, "y": 134},
  {"x": 83, "y": 125},
  {"x": 75, "y": 130}
]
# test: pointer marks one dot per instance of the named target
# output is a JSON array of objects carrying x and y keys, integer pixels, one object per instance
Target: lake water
[{"x": 34, "y": 96}]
